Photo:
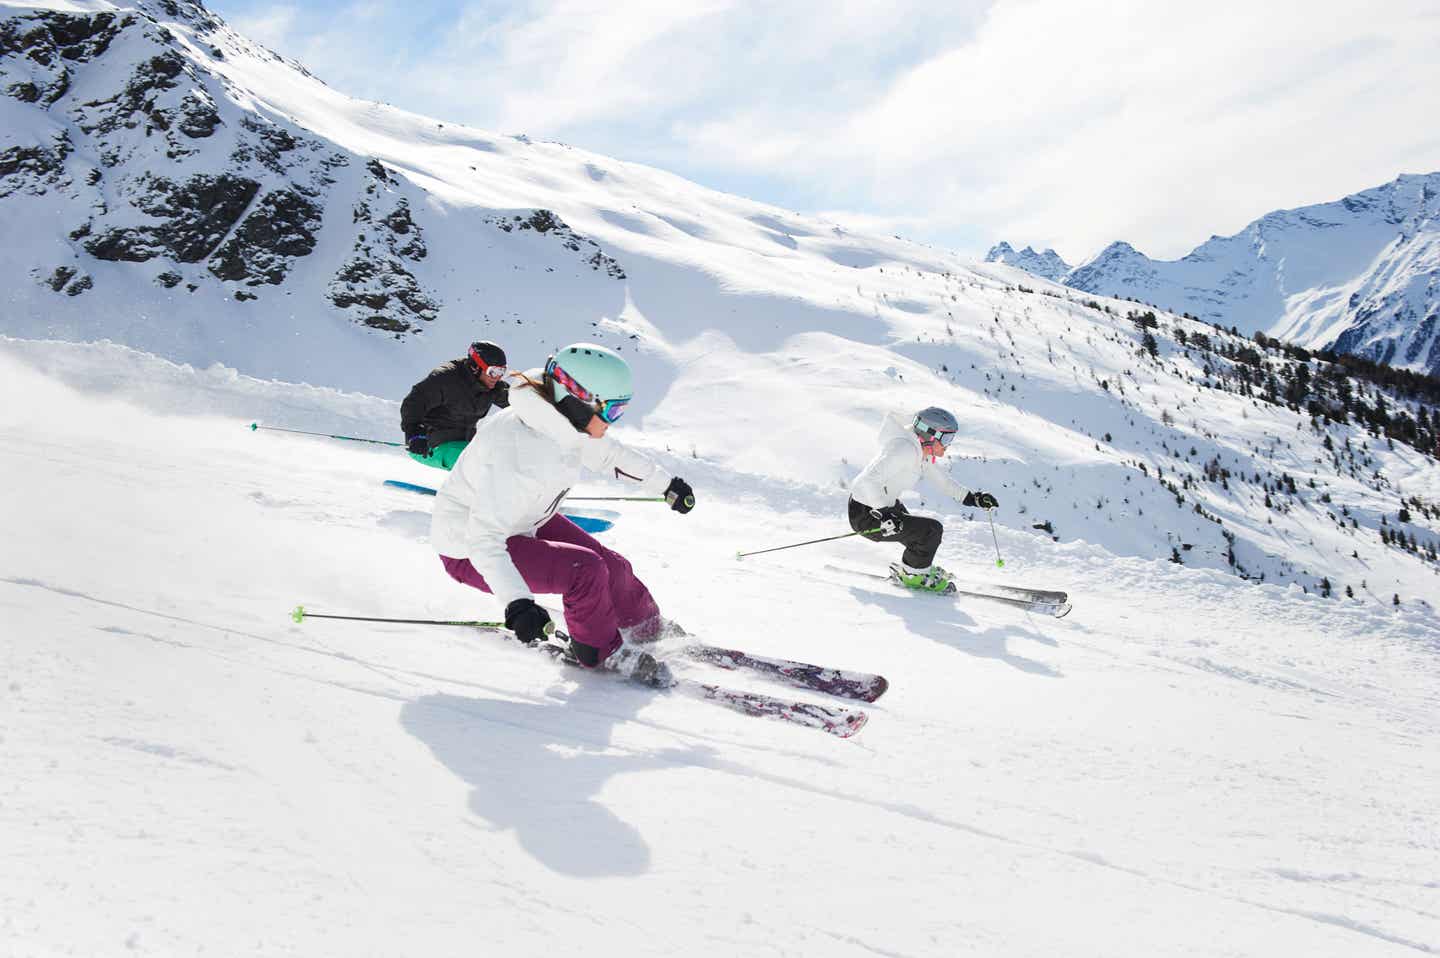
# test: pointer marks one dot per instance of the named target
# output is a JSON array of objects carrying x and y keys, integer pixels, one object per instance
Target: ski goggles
[
  {"x": 485, "y": 369},
  {"x": 607, "y": 409},
  {"x": 935, "y": 435}
]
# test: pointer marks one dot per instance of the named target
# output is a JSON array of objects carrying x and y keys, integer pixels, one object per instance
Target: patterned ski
[
  {"x": 1045, "y": 607},
  {"x": 841, "y": 683},
  {"x": 837, "y": 721},
  {"x": 840, "y": 722}
]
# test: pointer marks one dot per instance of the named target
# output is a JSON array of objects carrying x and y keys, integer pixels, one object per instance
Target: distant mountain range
[
  {"x": 1359, "y": 275},
  {"x": 1047, "y": 264}
]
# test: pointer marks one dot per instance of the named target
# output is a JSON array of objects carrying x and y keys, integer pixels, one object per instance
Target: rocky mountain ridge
[{"x": 121, "y": 124}]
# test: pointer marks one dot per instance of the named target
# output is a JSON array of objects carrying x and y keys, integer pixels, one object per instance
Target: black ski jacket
[{"x": 446, "y": 405}]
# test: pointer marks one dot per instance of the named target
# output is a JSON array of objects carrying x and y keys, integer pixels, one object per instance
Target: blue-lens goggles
[{"x": 612, "y": 409}]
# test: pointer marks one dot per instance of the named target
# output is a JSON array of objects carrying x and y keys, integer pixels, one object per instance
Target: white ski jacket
[
  {"x": 899, "y": 467},
  {"x": 512, "y": 478}
]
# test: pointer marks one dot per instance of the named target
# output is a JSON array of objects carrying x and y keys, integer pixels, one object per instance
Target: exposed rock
[
  {"x": 195, "y": 216},
  {"x": 267, "y": 145},
  {"x": 79, "y": 286},
  {"x": 33, "y": 168},
  {"x": 58, "y": 279},
  {"x": 377, "y": 279},
  {"x": 169, "y": 279},
  {"x": 34, "y": 51},
  {"x": 198, "y": 117},
  {"x": 545, "y": 221},
  {"x": 281, "y": 227}
]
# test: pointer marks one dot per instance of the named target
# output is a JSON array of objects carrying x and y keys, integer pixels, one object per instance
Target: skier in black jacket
[{"x": 439, "y": 415}]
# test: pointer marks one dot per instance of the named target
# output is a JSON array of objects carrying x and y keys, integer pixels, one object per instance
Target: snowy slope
[
  {"x": 1359, "y": 275},
  {"x": 1187, "y": 765}
]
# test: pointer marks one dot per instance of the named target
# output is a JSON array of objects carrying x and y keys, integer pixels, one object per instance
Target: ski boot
[
  {"x": 639, "y": 666},
  {"x": 933, "y": 579}
]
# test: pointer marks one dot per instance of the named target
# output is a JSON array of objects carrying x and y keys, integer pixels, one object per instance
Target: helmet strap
[{"x": 577, "y": 411}]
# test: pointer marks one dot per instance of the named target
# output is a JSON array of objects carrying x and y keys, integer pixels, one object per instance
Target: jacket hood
[{"x": 896, "y": 428}]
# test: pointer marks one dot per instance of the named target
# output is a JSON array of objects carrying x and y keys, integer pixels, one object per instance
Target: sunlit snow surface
[{"x": 1188, "y": 764}]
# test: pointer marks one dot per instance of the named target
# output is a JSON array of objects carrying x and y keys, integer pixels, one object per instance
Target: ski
[
  {"x": 1017, "y": 591},
  {"x": 841, "y": 683},
  {"x": 638, "y": 666},
  {"x": 591, "y": 524},
  {"x": 654, "y": 674},
  {"x": 1058, "y": 609},
  {"x": 840, "y": 722}
]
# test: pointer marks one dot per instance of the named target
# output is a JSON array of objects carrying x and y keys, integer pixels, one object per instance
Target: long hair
[{"x": 541, "y": 386}]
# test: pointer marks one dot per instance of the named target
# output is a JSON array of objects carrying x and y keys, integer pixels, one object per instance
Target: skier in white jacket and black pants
[
  {"x": 908, "y": 453},
  {"x": 496, "y": 523}
]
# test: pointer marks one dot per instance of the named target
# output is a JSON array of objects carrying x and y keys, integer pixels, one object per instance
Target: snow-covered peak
[
  {"x": 1358, "y": 274},
  {"x": 1047, "y": 264}
]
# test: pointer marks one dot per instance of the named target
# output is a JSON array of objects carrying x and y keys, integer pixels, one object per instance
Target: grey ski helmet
[{"x": 935, "y": 424}]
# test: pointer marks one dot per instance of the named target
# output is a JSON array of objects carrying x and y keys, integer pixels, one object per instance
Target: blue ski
[{"x": 591, "y": 524}]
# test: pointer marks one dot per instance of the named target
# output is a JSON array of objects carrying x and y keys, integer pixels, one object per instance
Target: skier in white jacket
[
  {"x": 908, "y": 453},
  {"x": 496, "y": 523}
]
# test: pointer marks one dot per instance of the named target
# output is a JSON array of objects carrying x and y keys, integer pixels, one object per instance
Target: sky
[{"x": 1050, "y": 123}]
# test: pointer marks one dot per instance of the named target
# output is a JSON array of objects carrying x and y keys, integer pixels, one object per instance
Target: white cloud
[
  {"x": 1049, "y": 122},
  {"x": 271, "y": 25}
]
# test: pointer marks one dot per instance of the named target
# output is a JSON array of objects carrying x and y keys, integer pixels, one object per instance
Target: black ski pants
[{"x": 920, "y": 534}]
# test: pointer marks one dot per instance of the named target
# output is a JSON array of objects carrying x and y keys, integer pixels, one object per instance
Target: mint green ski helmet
[{"x": 593, "y": 374}]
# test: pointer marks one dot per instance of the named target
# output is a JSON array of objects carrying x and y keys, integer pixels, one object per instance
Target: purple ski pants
[{"x": 602, "y": 595}]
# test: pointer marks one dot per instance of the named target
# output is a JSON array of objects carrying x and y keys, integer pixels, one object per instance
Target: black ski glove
[
  {"x": 980, "y": 500},
  {"x": 419, "y": 444},
  {"x": 528, "y": 621},
  {"x": 887, "y": 520},
  {"x": 680, "y": 496}
]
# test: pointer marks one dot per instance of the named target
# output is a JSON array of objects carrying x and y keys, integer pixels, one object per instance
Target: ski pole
[
  {"x": 323, "y": 435},
  {"x": 999, "y": 562},
  {"x": 300, "y": 615},
  {"x": 796, "y": 545},
  {"x": 689, "y": 500}
]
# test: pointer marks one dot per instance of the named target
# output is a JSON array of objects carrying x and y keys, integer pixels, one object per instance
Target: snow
[{"x": 1187, "y": 764}]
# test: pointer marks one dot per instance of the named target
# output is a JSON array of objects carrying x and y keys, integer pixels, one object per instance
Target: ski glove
[
  {"x": 980, "y": 500},
  {"x": 528, "y": 621},
  {"x": 419, "y": 444},
  {"x": 680, "y": 496},
  {"x": 887, "y": 520}
]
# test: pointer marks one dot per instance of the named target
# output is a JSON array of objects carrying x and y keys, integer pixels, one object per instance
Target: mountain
[
  {"x": 172, "y": 186},
  {"x": 1047, "y": 264},
  {"x": 1360, "y": 275},
  {"x": 1248, "y": 530}
]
